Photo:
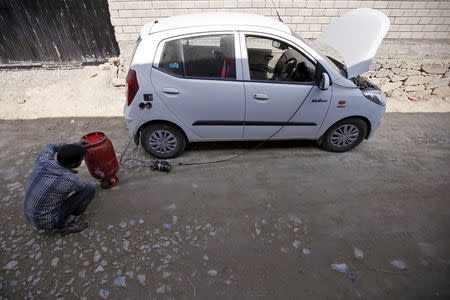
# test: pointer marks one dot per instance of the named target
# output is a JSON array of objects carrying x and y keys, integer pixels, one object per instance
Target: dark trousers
[{"x": 76, "y": 204}]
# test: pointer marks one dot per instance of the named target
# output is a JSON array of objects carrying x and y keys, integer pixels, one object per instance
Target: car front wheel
[
  {"x": 344, "y": 135},
  {"x": 163, "y": 140}
]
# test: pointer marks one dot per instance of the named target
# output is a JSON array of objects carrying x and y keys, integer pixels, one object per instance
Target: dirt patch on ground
[{"x": 40, "y": 93}]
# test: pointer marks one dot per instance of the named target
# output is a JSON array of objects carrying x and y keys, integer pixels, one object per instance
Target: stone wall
[
  {"x": 416, "y": 80},
  {"x": 409, "y": 19}
]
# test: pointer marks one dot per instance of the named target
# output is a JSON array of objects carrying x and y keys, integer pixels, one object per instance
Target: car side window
[
  {"x": 171, "y": 59},
  {"x": 211, "y": 56},
  {"x": 274, "y": 60}
]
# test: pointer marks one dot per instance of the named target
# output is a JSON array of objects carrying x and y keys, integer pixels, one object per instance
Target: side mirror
[{"x": 324, "y": 83}]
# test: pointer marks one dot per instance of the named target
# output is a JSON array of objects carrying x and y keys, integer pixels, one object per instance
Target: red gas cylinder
[{"x": 100, "y": 158}]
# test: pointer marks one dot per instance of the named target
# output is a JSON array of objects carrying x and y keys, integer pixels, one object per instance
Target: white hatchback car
[{"x": 223, "y": 77}]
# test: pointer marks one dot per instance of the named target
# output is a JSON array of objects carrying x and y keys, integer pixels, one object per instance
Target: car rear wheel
[
  {"x": 163, "y": 140},
  {"x": 344, "y": 135}
]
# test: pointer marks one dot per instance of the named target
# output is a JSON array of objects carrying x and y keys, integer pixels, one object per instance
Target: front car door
[
  {"x": 199, "y": 78},
  {"x": 280, "y": 89}
]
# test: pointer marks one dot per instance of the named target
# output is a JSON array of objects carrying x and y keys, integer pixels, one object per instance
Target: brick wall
[{"x": 409, "y": 19}]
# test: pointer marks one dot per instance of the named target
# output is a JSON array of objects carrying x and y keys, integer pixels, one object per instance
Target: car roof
[{"x": 213, "y": 19}]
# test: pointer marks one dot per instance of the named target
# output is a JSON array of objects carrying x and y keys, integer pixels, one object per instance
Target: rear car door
[
  {"x": 280, "y": 89},
  {"x": 199, "y": 78}
]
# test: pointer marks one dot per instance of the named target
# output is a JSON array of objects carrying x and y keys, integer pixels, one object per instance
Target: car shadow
[{"x": 223, "y": 145}]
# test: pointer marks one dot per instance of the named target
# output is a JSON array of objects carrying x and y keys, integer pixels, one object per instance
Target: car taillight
[{"x": 132, "y": 86}]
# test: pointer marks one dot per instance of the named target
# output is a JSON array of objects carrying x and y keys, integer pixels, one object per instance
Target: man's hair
[{"x": 70, "y": 154}]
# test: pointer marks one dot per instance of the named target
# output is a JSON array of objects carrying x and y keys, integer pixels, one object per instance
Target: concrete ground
[{"x": 268, "y": 225}]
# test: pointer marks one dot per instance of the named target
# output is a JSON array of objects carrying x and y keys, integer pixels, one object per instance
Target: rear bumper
[{"x": 130, "y": 121}]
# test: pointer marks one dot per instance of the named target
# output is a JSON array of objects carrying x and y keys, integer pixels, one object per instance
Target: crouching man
[{"x": 55, "y": 197}]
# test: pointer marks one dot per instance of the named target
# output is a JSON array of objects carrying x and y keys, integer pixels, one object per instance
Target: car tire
[
  {"x": 163, "y": 140},
  {"x": 344, "y": 135}
]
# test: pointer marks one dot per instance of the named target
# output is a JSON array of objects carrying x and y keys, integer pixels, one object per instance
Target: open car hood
[{"x": 356, "y": 36}]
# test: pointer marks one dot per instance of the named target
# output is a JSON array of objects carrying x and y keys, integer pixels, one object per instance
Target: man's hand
[
  {"x": 81, "y": 143},
  {"x": 104, "y": 183}
]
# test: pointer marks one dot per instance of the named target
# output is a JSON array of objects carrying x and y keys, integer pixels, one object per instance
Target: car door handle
[
  {"x": 260, "y": 97},
  {"x": 171, "y": 91}
]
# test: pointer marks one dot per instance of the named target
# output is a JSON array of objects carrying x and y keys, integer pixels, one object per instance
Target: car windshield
[{"x": 336, "y": 64}]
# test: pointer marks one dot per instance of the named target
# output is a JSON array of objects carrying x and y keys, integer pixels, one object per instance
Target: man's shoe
[{"x": 73, "y": 228}]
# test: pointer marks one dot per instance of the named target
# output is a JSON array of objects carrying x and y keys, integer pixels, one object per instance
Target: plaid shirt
[{"x": 48, "y": 186}]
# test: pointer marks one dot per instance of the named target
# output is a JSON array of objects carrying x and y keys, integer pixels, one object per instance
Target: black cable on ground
[{"x": 131, "y": 138}]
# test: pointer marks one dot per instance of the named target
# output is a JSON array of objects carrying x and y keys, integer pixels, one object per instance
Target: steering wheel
[{"x": 289, "y": 67}]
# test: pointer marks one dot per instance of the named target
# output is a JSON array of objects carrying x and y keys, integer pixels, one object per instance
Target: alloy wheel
[
  {"x": 344, "y": 135},
  {"x": 163, "y": 141}
]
